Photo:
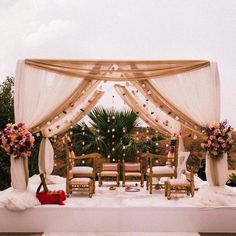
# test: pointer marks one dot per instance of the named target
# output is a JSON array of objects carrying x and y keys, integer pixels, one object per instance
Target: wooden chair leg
[
  {"x": 99, "y": 180},
  {"x": 91, "y": 189},
  {"x": 165, "y": 189},
  {"x": 192, "y": 191},
  {"x": 150, "y": 184},
  {"x": 168, "y": 191},
  {"x": 142, "y": 181},
  {"x": 147, "y": 179},
  {"x": 117, "y": 181},
  {"x": 93, "y": 186},
  {"x": 123, "y": 184}
]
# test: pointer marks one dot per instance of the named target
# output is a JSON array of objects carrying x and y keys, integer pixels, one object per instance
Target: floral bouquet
[
  {"x": 218, "y": 139},
  {"x": 17, "y": 140}
]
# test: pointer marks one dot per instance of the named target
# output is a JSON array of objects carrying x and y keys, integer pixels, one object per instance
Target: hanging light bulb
[
  {"x": 123, "y": 147},
  {"x": 108, "y": 156},
  {"x": 113, "y": 130},
  {"x": 98, "y": 148},
  {"x": 108, "y": 131},
  {"x": 113, "y": 149},
  {"x": 83, "y": 161},
  {"x": 83, "y": 143}
]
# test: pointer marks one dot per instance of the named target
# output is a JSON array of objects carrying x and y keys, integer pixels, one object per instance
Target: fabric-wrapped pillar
[
  {"x": 19, "y": 173},
  {"x": 46, "y": 156}
]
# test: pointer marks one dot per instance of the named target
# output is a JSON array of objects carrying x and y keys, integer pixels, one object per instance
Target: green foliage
[
  {"x": 109, "y": 135},
  {"x": 151, "y": 145},
  {"x": 233, "y": 178},
  {"x": 6, "y": 116}
]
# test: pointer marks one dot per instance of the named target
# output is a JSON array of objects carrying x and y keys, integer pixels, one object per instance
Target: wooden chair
[
  {"x": 132, "y": 172},
  {"x": 180, "y": 185},
  {"x": 81, "y": 177},
  {"x": 109, "y": 172},
  {"x": 169, "y": 170}
]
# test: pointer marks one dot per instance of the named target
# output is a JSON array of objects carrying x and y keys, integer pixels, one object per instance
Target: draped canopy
[{"x": 52, "y": 95}]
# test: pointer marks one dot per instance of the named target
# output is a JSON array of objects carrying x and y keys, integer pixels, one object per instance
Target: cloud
[{"x": 54, "y": 30}]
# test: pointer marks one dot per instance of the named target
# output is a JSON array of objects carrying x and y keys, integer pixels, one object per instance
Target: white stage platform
[{"x": 119, "y": 211}]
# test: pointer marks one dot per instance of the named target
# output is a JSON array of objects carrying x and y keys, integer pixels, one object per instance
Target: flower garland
[
  {"x": 218, "y": 139},
  {"x": 17, "y": 140}
]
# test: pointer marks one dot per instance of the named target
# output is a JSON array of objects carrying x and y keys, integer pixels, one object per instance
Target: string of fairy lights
[{"x": 146, "y": 132}]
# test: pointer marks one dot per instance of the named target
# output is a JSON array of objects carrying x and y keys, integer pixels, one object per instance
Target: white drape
[
  {"x": 46, "y": 154},
  {"x": 220, "y": 169},
  {"x": 38, "y": 93},
  {"x": 161, "y": 118},
  {"x": 195, "y": 93}
]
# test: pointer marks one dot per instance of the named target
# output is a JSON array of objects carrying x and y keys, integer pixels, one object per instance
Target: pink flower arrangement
[
  {"x": 17, "y": 140},
  {"x": 218, "y": 139}
]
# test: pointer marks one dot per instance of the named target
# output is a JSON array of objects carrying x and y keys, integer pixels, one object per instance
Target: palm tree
[{"x": 109, "y": 134}]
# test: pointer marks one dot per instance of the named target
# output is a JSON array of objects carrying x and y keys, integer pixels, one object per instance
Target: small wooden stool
[
  {"x": 81, "y": 184},
  {"x": 180, "y": 185}
]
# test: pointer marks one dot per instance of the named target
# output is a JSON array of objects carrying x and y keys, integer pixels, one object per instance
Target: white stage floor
[{"x": 119, "y": 211}]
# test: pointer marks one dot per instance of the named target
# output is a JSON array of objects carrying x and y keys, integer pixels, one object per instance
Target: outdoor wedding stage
[
  {"x": 179, "y": 99},
  {"x": 119, "y": 211}
]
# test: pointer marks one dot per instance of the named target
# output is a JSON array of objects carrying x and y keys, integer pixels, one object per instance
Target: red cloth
[{"x": 54, "y": 197}]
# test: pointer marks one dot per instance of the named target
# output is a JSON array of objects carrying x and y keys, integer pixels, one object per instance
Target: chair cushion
[
  {"x": 161, "y": 170},
  {"x": 132, "y": 167},
  {"x": 110, "y": 167},
  {"x": 132, "y": 174},
  {"x": 178, "y": 182},
  {"x": 82, "y": 170},
  {"x": 109, "y": 173},
  {"x": 80, "y": 181}
]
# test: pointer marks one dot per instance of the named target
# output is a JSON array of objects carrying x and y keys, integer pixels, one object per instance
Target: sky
[{"x": 123, "y": 29}]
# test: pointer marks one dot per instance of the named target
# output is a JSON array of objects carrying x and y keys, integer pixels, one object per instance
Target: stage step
[{"x": 123, "y": 234}]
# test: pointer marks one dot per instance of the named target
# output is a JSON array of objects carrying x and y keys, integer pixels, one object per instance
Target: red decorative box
[
  {"x": 52, "y": 197},
  {"x": 49, "y": 197}
]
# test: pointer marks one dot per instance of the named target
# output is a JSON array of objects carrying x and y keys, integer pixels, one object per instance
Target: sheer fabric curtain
[
  {"x": 46, "y": 153},
  {"x": 196, "y": 94},
  {"x": 39, "y": 93}
]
